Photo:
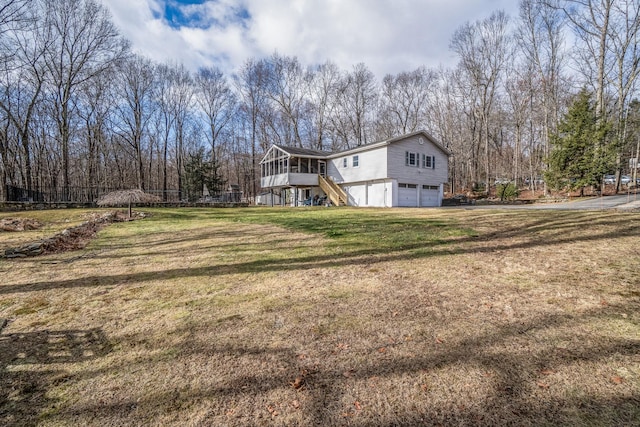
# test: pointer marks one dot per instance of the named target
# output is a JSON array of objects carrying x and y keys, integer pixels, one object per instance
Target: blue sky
[
  {"x": 389, "y": 36},
  {"x": 179, "y": 14}
]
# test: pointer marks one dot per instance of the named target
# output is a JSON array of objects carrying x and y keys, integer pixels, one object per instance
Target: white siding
[
  {"x": 357, "y": 194},
  {"x": 379, "y": 194},
  {"x": 375, "y": 194},
  {"x": 285, "y": 179},
  {"x": 268, "y": 199},
  {"x": 372, "y": 166}
]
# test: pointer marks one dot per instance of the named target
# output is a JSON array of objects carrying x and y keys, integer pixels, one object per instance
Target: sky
[{"x": 388, "y": 36}]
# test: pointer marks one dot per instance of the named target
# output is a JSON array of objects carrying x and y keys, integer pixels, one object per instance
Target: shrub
[{"x": 507, "y": 191}]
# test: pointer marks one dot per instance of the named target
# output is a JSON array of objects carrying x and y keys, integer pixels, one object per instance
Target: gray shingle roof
[{"x": 295, "y": 151}]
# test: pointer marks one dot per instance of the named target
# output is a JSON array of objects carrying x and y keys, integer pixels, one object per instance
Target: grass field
[{"x": 315, "y": 316}]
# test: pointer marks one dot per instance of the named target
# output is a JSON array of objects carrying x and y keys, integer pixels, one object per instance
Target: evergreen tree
[
  {"x": 199, "y": 171},
  {"x": 579, "y": 156}
]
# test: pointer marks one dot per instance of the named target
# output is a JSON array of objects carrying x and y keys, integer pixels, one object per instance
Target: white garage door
[
  {"x": 407, "y": 195},
  {"x": 429, "y": 195}
]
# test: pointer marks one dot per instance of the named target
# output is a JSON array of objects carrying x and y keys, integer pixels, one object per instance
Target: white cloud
[{"x": 389, "y": 36}]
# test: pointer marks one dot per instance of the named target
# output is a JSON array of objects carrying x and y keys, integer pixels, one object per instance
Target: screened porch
[{"x": 291, "y": 167}]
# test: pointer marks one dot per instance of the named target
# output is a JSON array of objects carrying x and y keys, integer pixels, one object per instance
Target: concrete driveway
[{"x": 619, "y": 202}]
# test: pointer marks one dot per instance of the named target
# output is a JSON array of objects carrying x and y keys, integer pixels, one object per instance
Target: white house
[{"x": 408, "y": 170}]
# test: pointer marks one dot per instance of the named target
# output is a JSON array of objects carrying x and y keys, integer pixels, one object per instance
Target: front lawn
[{"x": 319, "y": 316}]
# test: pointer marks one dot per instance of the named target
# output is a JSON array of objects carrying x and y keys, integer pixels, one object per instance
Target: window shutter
[{"x": 433, "y": 162}]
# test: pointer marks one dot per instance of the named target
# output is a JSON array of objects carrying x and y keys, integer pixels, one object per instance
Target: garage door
[
  {"x": 407, "y": 195},
  {"x": 429, "y": 195}
]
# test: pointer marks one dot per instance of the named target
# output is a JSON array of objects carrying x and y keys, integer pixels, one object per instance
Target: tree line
[{"x": 81, "y": 114}]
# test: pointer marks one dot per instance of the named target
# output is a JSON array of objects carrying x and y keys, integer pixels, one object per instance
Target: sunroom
[{"x": 292, "y": 167}]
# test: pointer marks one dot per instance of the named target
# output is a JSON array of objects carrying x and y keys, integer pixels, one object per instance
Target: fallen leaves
[
  {"x": 348, "y": 374},
  {"x": 357, "y": 407},
  {"x": 617, "y": 379},
  {"x": 342, "y": 346},
  {"x": 300, "y": 381},
  {"x": 19, "y": 224},
  {"x": 273, "y": 411}
]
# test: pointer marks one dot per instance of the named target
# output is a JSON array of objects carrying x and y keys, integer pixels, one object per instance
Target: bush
[
  {"x": 507, "y": 191},
  {"x": 478, "y": 187}
]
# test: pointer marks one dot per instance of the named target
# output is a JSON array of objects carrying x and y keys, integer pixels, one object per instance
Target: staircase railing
[{"x": 336, "y": 194}]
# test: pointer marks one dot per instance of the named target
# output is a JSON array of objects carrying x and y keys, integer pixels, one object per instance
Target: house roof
[
  {"x": 295, "y": 151},
  {"x": 305, "y": 152},
  {"x": 384, "y": 142}
]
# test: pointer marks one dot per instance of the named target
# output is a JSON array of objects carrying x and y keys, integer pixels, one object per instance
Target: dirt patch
[
  {"x": 19, "y": 224},
  {"x": 68, "y": 240}
]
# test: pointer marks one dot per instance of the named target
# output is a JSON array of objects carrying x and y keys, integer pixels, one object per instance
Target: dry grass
[{"x": 321, "y": 317}]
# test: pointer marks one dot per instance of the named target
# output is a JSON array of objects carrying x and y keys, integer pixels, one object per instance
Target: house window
[
  {"x": 345, "y": 162},
  {"x": 411, "y": 159},
  {"x": 355, "y": 162},
  {"x": 428, "y": 162},
  {"x": 402, "y": 185},
  {"x": 430, "y": 187}
]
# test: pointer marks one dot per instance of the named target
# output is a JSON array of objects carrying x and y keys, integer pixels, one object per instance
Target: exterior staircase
[{"x": 336, "y": 194}]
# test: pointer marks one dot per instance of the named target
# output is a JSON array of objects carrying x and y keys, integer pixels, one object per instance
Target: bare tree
[
  {"x": 250, "y": 83},
  {"x": 14, "y": 16},
  {"x": 591, "y": 20},
  {"x": 540, "y": 40},
  {"x": 322, "y": 82},
  {"x": 625, "y": 50},
  {"x": 286, "y": 88},
  {"x": 404, "y": 101},
  {"x": 218, "y": 103},
  {"x": 135, "y": 89},
  {"x": 355, "y": 106},
  {"x": 23, "y": 79},
  {"x": 96, "y": 105},
  {"x": 84, "y": 44},
  {"x": 164, "y": 120},
  {"x": 181, "y": 96},
  {"x": 484, "y": 49}
]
